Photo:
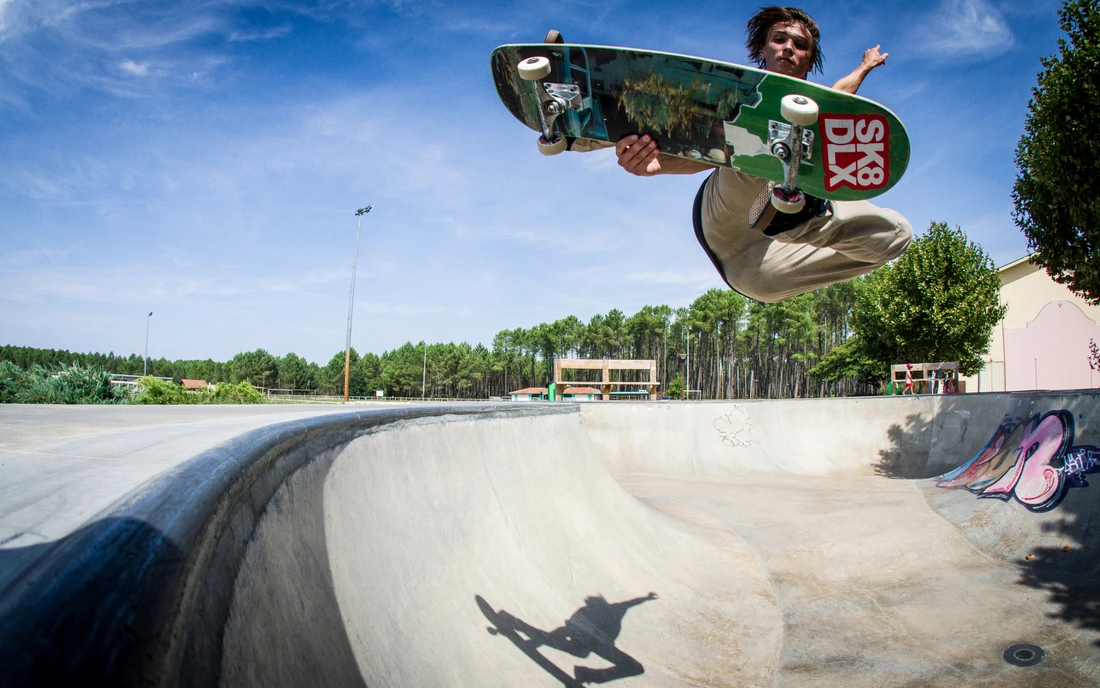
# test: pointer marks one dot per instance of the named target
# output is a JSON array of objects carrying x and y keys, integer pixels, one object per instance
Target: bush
[
  {"x": 156, "y": 391},
  {"x": 240, "y": 393},
  {"x": 75, "y": 384},
  {"x": 676, "y": 388},
  {"x": 12, "y": 379}
]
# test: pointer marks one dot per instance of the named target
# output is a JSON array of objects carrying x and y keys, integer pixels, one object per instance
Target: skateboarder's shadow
[{"x": 592, "y": 629}]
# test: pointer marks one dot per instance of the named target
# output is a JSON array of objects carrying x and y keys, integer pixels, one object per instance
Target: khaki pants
[{"x": 851, "y": 239}]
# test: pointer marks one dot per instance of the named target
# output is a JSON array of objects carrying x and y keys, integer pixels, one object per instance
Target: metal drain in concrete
[{"x": 1024, "y": 655}]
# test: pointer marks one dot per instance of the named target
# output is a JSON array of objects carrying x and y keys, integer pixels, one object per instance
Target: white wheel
[
  {"x": 552, "y": 148},
  {"x": 533, "y": 68},
  {"x": 790, "y": 206},
  {"x": 798, "y": 110}
]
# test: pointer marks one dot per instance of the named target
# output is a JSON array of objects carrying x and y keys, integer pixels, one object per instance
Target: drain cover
[{"x": 1024, "y": 655}]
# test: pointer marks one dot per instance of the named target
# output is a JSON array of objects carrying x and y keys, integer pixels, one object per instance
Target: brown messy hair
[{"x": 767, "y": 17}]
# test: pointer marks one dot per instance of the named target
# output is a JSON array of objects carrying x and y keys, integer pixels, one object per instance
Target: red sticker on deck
[{"x": 856, "y": 149}]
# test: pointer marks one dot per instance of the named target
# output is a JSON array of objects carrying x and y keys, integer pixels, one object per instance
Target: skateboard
[
  {"x": 506, "y": 625},
  {"x": 800, "y": 136}
]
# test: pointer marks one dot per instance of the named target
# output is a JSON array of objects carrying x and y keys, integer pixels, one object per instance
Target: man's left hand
[{"x": 873, "y": 58}]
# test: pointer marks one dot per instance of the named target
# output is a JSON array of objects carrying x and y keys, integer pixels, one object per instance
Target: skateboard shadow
[{"x": 592, "y": 629}]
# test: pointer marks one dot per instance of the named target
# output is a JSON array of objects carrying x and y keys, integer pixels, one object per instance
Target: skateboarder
[{"x": 826, "y": 242}]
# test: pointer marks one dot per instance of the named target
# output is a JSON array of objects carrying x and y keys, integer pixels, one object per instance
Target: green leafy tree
[
  {"x": 648, "y": 329},
  {"x": 676, "y": 388},
  {"x": 506, "y": 361},
  {"x": 938, "y": 302},
  {"x": 370, "y": 369},
  {"x": 207, "y": 370},
  {"x": 255, "y": 367},
  {"x": 292, "y": 372},
  {"x": 357, "y": 383},
  {"x": 1059, "y": 157},
  {"x": 240, "y": 393},
  {"x": 849, "y": 361},
  {"x": 403, "y": 368},
  {"x": 332, "y": 374}
]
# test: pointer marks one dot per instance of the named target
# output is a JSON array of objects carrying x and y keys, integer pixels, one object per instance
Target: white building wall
[{"x": 1042, "y": 343}]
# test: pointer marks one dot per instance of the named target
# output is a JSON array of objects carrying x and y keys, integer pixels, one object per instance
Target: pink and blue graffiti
[{"x": 1032, "y": 460}]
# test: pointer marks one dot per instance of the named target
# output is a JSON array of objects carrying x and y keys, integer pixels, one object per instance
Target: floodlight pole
[
  {"x": 145, "y": 366},
  {"x": 687, "y": 366},
  {"x": 351, "y": 300}
]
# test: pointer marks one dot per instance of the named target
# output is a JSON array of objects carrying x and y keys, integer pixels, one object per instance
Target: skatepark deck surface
[{"x": 729, "y": 543}]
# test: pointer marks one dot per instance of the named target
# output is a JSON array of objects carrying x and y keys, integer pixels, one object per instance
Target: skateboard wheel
[
  {"x": 533, "y": 68},
  {"x": 552, "y": 147},
  {"x": 798, "y": 110},
  {"x": 785, "y": 203},
  {"x": 553, "y": 36}
]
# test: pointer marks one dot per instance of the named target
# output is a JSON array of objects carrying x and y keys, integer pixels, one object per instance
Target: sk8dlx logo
[{"x": 856, "y": 150}]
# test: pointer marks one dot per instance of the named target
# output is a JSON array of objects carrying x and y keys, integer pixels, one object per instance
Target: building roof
[
  {"x": 530, "y": 390},
  {"x": 194, "y": 384},
  {"x": 1018, "y": 261},
  {"x": 581, "y": 390}
]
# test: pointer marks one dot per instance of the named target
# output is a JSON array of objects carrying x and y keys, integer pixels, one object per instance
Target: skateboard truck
[
  {"x": 792, "y": 143},
  {"x": 554, "y": 100}
]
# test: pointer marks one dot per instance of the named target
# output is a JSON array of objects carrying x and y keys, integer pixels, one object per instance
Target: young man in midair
[{"x": 826, "y": 242}]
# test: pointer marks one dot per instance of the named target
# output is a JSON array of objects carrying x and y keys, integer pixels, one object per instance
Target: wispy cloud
[
  {"x": 700, "y": 279},
  {"x": 134, "y": 68},
  {"x": 60, "y": 48},
  {"x": 261, "y": 35},
  {"x": 3, "y": 10},
  {"x": 52, "y": 276},
  {"x": 964, "y": 29}
]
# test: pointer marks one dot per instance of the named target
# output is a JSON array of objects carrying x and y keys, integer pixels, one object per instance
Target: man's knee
[
  {"x": 867, "y": 233},
  {"x": 903, "y": 236}
]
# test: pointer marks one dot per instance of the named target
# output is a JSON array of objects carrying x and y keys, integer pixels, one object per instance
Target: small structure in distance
[{"x": 606, "y": 385}]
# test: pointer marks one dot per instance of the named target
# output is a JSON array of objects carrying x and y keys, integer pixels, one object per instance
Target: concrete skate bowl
[{"x": 794, "y": 543}]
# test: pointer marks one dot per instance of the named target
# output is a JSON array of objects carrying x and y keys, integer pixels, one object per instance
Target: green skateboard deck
[{"x": 718, "y": 113}]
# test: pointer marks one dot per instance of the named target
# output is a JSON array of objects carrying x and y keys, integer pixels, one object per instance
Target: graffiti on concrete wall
[
  {"x": 1032, "y": 460},
  {"x": 735, "y": 429}
]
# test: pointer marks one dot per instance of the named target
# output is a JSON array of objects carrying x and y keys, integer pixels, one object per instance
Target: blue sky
[{"x": 203, "y": 160}]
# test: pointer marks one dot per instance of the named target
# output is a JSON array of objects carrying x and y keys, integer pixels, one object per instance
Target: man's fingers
[
  {"x": 634, "y": 144},
  {"x": 635, "y": 153},
  {"x": 625, "y": 142}
]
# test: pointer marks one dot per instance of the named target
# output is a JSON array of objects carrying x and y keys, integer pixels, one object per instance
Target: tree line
[
  {"x": 938, "y": 302},
  {"x": 724, "y": 345}
]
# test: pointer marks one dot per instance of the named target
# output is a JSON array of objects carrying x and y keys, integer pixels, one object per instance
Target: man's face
[{"x": 788, "y": 50}]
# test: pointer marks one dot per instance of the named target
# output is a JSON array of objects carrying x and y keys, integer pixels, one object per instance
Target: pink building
[{"x": 1043, "y": 341}]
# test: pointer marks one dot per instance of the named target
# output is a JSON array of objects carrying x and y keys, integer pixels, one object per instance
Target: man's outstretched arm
[
  {"x": 640, "y": 156},
  {"x": 871, "y": 59}
]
